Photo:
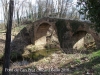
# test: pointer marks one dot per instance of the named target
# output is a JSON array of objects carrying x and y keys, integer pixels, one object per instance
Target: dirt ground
[
  {"x": 73, "y": 64},
  {"x": 2, "y": 43}
]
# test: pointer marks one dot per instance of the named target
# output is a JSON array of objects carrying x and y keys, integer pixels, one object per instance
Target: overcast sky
[{"x": 33, "y": 2}]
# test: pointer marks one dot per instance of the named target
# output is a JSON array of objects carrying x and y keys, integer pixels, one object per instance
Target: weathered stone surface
[
  {"x": 45, "y": 32},
  {"x": 85, "y": 42},
  {"x": 59, "y": 33}
]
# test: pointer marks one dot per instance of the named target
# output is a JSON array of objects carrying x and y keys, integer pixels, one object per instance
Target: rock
[{"x": 79, "y": 45}]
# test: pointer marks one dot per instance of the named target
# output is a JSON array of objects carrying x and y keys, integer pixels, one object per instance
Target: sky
[
  {"x": 1, "y": 9},
  {"x": 1, "y": 12},
  {"x": 33, "y": 2}
]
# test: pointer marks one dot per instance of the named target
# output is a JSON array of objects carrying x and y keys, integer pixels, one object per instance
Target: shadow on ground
[
  {"x": 23, "y": 39},
  {"x": 84, "y": 66},
  {"x": 19, "y": 44},
  {"x": 2, "y": 41}
]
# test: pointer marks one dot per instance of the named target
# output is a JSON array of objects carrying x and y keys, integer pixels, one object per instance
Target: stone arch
[
  {"x": 76, "y": 39},
  {"x": 41, "y": 33},
  {"x": 82, "y": 38},
  {"x": 78, "y": 35},
  {"x": 43, "y": 22},
  {"x": 41, "y": 27},
  {"x": 69, "y": 38},
  {"x": 87, "y": 30}
]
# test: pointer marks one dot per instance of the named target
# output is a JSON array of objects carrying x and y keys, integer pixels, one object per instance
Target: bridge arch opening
[
  {"x": 83, "y": 40},
  {"x": 78, "y": 35},
  {"x": 41, "y": 34}
]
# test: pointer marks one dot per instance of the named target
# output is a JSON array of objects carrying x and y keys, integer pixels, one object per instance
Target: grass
[
  {"x": 39, "y": 54},
  {"x": 15, "y": 56},
  {"x": 0, "y": 69},
  {"x": 82, "y": 66},
  {"x": 19, "y": 28},
  {"x": 16, "y": 30},
  {"x": 93, "y": 64},
  {"x": 95, "y": 54},
  {"x": 97, "y": 69},
  {"x": 94, "y": 58},
  {"x": 1, "y": 55},
  {"x": 2, "y": 31}
]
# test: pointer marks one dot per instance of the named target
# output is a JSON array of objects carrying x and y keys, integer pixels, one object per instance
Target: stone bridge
[{"x": 63, "y": 33}]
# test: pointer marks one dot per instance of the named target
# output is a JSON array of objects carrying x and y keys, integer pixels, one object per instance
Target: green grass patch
[
  {"x": 77, "y": 72},
  {"x": 95, "y": 54},
  {"x": 19, "y": 28},
  {"x": 2, "y": 31},
  {"x": 94, "y": 59},
  {"x": 0, "y": 70},
  {"x": 39, "y": 54},
  {"x": 97, "y": 69},
  {"x": 1, "y": 55},
  {"x": 14, "y": 56}
]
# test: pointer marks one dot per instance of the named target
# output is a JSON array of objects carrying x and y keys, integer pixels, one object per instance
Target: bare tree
[
  {"x": 5, "y": 10},
  {"x": 73, "y": 14},
  {"x": 19, "y": 9},
  {"x": 8, "y": 40},
  {"x": 35, "y": 13},
  {"x": 29, "y": 10},
  {"x": 40, "y": 4}
]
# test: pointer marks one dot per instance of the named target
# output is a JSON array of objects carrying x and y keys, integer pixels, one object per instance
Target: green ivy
[
  {"x": 91, "y": 11},
  {"x": 61, "y": 29},
  {"x": 75, "y": 25},
  {"x": 15, "y": 56}
]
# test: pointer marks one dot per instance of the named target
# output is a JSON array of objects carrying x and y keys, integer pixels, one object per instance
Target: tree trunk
[
  {"x": 18, "y": 17},
  {"x": 8, "y": 40}
]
